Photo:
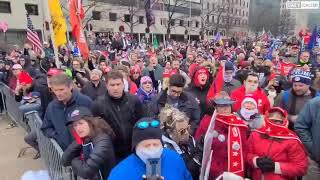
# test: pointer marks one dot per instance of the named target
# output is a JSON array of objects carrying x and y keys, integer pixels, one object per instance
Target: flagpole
[
  {"x": 55, "y": 49},
  {"x": 43, "y": 23}
]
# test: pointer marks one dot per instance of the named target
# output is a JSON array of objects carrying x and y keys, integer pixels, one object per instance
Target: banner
[
  {"x": 76, "y": 16},
  {"x": 207, "y": 149},
  {"x": 58, "y": 23}
]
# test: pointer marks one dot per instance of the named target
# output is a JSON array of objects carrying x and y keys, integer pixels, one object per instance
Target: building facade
[
  {"x": 13, "y": 12},
  {"x": 182, "y": 19}
]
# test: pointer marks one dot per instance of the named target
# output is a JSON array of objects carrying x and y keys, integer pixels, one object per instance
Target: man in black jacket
[
  {"x": 59, "y": 109},
  {"x": 178, "y": 98},
  {"x": 121, "y": 110},
  {"x": 95, "y": 87}
]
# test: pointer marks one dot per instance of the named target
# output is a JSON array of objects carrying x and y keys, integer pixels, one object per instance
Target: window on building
[
  {"x": 181, "y": 22},
  {"x": 212, "y": 19},
  {"x": 141, "y": 19},
  {"x": 126, "y": 18},
  {"x": 212, "y": 6},
  {"x": 247, "y": 14},
  {"x": 5, "y": 7},
  {"x": 112, "y": 16},
  {"x": 236, "y": 11},
  {"x": 32, "y": 9},
  {"x": 247, "y": 5},
  {"x": 208, "y": 6},
  {"x": 231, "y": 10},
  {"x": 189, "y": 23},
  {"x": 242, "y": 13},
  {"x": 240, "y": 3},
  {"x": 96, "y": 15},
  {"x": 197, "y": 24}
]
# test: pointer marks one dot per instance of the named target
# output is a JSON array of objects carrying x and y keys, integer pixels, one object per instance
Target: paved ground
[{"x": 12, "y": 167}]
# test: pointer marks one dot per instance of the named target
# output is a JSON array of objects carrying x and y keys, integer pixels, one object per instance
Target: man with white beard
[{"x": 251, "y": 87}]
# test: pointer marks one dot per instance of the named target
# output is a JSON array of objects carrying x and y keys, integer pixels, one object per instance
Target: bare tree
[
  {"x": 171, "y": 7},
  {"x": 88, "y": 6},
  {"x": 135, "y": 9}
]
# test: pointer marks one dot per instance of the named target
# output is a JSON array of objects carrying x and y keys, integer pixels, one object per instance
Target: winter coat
[
  {"x": 191, "y": 152},
  {"x": 240, "y": 93},
  {"x": 186, "y": 104},
  {"x": 158, "y": 71},
  {"x": 40, "y": 85},
  {"x": 56, "y": 116},
  {"x": 145, "y": 99},
  {"x": 231, "y": 86},
  {"x": 307, "y": 128},
  {"x": 98, "y": 159},
  {"x": 288, "y": 154},
  {"x": 92, "y": 91},
  {"x": 219, "y": 162},
  {"x": 200, "y": 94},
  {"x": 133, "y": 168},
  {"x": 121, "y": 114}
]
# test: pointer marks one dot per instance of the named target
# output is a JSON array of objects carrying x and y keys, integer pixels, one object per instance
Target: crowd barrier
[
  {"x": 50, "y": 151},
  {"x": 11, "y": 107}
]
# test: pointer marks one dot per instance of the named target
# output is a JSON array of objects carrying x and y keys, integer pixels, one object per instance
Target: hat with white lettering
[{"x": 302, "y": 76}]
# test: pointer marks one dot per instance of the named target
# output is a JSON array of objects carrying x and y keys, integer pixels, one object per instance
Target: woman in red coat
[
  {"x": 229, "y": 139},
  {"x": 274, "y": 151}
]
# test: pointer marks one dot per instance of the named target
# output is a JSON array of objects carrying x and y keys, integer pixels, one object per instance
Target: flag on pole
[
  {"x": 216, "y": 86},
  {"x": 58, "y": 23},
  {"x": 313, "y": 39},
  {"x": 33, "y": 37},
  {"x": 155, "y": 42},
  {"x": 76, "y": 15},
  {"x": 218, "y": 38}
]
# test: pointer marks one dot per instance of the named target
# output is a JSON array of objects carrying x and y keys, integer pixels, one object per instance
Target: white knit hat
[{"x": 249, "y": 99}]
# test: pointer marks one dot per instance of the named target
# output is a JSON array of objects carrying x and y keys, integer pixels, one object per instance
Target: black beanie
[
  {"x": 139, "y": 135},
  {"x": 229, "y": 66}
]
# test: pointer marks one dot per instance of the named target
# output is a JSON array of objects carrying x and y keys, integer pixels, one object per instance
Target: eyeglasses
[
  {"x": 175, "y": 92},
  {"x": 146, "y": 124}
]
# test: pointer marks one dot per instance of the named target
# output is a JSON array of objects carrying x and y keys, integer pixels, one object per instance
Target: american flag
[{"x": 33, "y": 37}]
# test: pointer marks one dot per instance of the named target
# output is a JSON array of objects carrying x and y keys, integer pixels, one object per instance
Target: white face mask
[
  {"x": 246, "y": 114},
  {"x": 126, "y": 85},
  {"x": 250, "y": 88},
  {"x": 149, "y": 153},
  {"x": 227, "y": 78}
]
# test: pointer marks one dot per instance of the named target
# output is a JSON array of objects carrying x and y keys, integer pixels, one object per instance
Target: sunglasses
[
  {"x": 148, "y": 82},
  {"x": 146, "y": 124}
]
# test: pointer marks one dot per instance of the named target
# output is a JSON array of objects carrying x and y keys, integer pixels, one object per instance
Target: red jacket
[
  {"x": 289, "y": 154},
  {"x": 133, "y": 88},
  {"x": 240, "y": 93},
  {"x": 219, "y": 163}
]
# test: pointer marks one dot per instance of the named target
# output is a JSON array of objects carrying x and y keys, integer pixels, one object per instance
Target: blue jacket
[
  {"x": 133, "y": 168},
  {"x": 307, "y": 128},
  {"x": 56, "y": 116}
]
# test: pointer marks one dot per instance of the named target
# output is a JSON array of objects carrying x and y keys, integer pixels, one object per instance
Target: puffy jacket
[
  {"x": 121, "y": 114},
  {"x": 288, "y": 154},
  {"x": 240, "y": 93},
  {"x": 307, "y": 128},
  {"x": 186, "y": 104},
  {"x": 98, "y": 160},
  {"x": 92, "y": 91},
  {"x": 133, "y": 168},
  {"x": 56, "y": 116}
]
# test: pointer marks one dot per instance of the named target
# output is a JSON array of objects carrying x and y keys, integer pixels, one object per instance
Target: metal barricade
[
  {"x": 50, "y": 151},
  {"x": 12, "y": 106}
]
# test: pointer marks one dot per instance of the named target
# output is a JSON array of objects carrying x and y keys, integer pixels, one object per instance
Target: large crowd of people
[{"x": 180, "y": 110}]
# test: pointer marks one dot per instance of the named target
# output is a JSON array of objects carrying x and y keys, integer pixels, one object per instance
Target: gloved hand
[{"x": 265, "y": 164}]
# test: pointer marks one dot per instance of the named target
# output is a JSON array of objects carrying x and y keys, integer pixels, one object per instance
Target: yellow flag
[{"x": 58, "y": 23}]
